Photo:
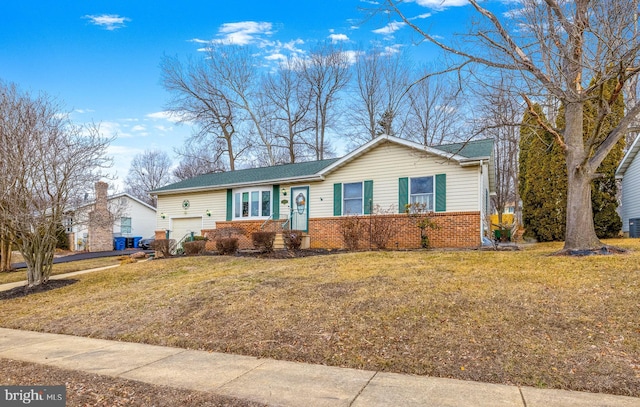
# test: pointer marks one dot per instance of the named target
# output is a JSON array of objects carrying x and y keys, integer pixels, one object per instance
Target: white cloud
[
  {"x": 335, "y": 38},
  {"x": 110, "y": 129},
  {"x": 440, "y": 4},
  {"x": 244, "y": 32},
  {"x": 165, "y": 115},
  {"x": 392, "y": 49},
  {"x": 351, "y": 56},
  {"x": 390, "y": 28},
  {"x": 138, "y": 127},
  {"x": 108, "y": 21},
  {"x": 421, "y": 16},
  {"x": 276, "y": 57},
  {"x": 83, "y": 111}
]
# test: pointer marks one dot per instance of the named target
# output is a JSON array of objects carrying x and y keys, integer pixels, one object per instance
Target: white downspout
[{"x": 482, "y": 207}]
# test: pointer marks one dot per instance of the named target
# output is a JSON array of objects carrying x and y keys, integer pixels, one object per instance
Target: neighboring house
[
  {"x": 92, "y": 226},
  {"x": 454, "y": 181},
  {"x": 629, "y": 173}
]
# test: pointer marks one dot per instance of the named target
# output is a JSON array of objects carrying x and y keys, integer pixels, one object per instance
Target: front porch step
[{"x": 278, "y": 242}]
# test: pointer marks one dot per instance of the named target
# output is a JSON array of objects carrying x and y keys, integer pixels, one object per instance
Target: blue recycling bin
[
  {"x": 119, "y": 243},
  {"x": 136, "y": 241}
]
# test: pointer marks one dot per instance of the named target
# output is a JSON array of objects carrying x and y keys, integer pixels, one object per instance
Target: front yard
[{"x": 505, "y": 317}]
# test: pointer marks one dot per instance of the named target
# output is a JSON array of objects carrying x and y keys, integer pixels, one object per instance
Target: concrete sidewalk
[{"x": 278, "y": 383}]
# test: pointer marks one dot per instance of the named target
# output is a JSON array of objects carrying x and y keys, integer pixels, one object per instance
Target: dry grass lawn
[
  {"x": 524, "y": 317},
  {"x": 61, "y": 268}
]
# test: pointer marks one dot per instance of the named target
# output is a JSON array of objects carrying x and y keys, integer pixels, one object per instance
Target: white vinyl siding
[
  {"x": 631, "y": 193},
  {"x": 383, "y": 165},
  {"x": 386, "y": 163},
  {"x": 199, "y": 203}
]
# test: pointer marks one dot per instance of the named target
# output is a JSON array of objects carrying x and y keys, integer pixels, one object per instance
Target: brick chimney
[{"x": 100, "y": 222}]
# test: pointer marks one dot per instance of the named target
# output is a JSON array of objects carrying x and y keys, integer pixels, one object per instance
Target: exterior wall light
[
  {"x": 208, "y": 213},
  {"x": 163, "y": 215},
  {"x": 284, "y": 191}
]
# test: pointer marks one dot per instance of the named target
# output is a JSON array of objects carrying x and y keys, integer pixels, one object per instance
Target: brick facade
[{"x": 454, "y": 230}]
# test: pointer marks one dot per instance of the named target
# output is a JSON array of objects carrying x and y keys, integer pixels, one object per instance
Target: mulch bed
[{"x": 24, "y": 291}]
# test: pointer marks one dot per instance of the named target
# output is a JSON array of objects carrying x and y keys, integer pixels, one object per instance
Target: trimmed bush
[
  {"x": 382, "y": 227},
  {"x": 194, "y": 248},
  {"x": 352, "y": 229},
  {"x": 164, "y": 246},
  {"x": 227, "y": 245},
  {"x": 263, "y": 241},
  {"x": 292, "y": 239}
]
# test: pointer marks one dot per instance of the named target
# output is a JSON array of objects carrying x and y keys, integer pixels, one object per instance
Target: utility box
[{"x": 634, "y": 227}]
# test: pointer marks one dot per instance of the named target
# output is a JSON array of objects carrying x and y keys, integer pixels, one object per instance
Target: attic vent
[{"x": 634, "y": 227}]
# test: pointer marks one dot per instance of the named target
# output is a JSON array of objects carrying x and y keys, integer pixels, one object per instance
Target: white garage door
[{"x": 184, "y": 226}]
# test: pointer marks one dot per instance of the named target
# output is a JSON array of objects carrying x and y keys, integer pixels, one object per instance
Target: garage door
[{"x": 184, "y": 226}]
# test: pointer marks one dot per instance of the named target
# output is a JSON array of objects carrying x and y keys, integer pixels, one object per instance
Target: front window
[
  {"x": 421, "y": 194},
  {"x": 352, "y": 201},
  {"x": 125, "y": 225},
  {"x": 252, "y": 204},
  {"x": 68, "y": 224}
]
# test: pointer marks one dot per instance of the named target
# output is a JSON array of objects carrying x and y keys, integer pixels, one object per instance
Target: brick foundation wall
[{"x": 454, "y": 230}]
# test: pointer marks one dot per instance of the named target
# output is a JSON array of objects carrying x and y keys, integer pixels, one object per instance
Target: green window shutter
[
  {"x": 368, "y": 197},
  {"x": 441, "y": 192},
  {"x": 337, "y": 199},
  {"x": 229, "y": 204},
  {"x": 276, "y": 202},
  {"x": 403, "y": 194}
]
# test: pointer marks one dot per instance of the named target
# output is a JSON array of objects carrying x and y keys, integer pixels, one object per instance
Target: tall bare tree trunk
[
  {"x": 5, "y": 254},
  {"x": 580, "y": 232}
]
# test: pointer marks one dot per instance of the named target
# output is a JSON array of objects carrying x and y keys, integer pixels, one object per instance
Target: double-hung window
[
  {"x": 125, "y": 225},
  {"x": 421, "y": 194},
  {"x": 252, "y": 203},
  {"x": 352, "y": 198}
]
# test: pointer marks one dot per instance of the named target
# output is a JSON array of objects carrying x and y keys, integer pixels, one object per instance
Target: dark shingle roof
[
  {"x": 283, "y": 173},
  {"x": 470, "y": 149},
  {"x": 251, "y": 175}
]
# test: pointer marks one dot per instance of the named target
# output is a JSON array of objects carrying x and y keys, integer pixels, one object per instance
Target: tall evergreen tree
[
  {"x": 542, "y": 181},
  {"x": 543, "y": 174}
]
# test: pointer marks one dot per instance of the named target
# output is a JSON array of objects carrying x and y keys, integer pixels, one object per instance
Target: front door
[{"x": 300, "y": 208}]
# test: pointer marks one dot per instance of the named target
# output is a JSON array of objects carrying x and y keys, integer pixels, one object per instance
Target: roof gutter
[
  {"x": 239, "y": 185},
  {"x": 473, "y": 161}
]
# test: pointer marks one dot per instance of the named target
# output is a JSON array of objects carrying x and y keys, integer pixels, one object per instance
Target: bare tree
[
  {"x": 149, "y": 170},
  {"x": 46, "y": 161},
  {"x": 199, "y": 97},
  {"x": 435, "y": 110},
  {"x": 327, "y": 73},
  {"x": 234, "y": 68},
  {"x": 290, "y": 98},
  {"x": 199, "y": 158},
  {"x": 499, "y": 117},
  {"x": 570, "y": 50},
  {"x": 381, "y": 80}
]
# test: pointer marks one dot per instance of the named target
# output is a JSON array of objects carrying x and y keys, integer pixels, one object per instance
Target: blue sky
[{"x": 101, "y": 58}]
